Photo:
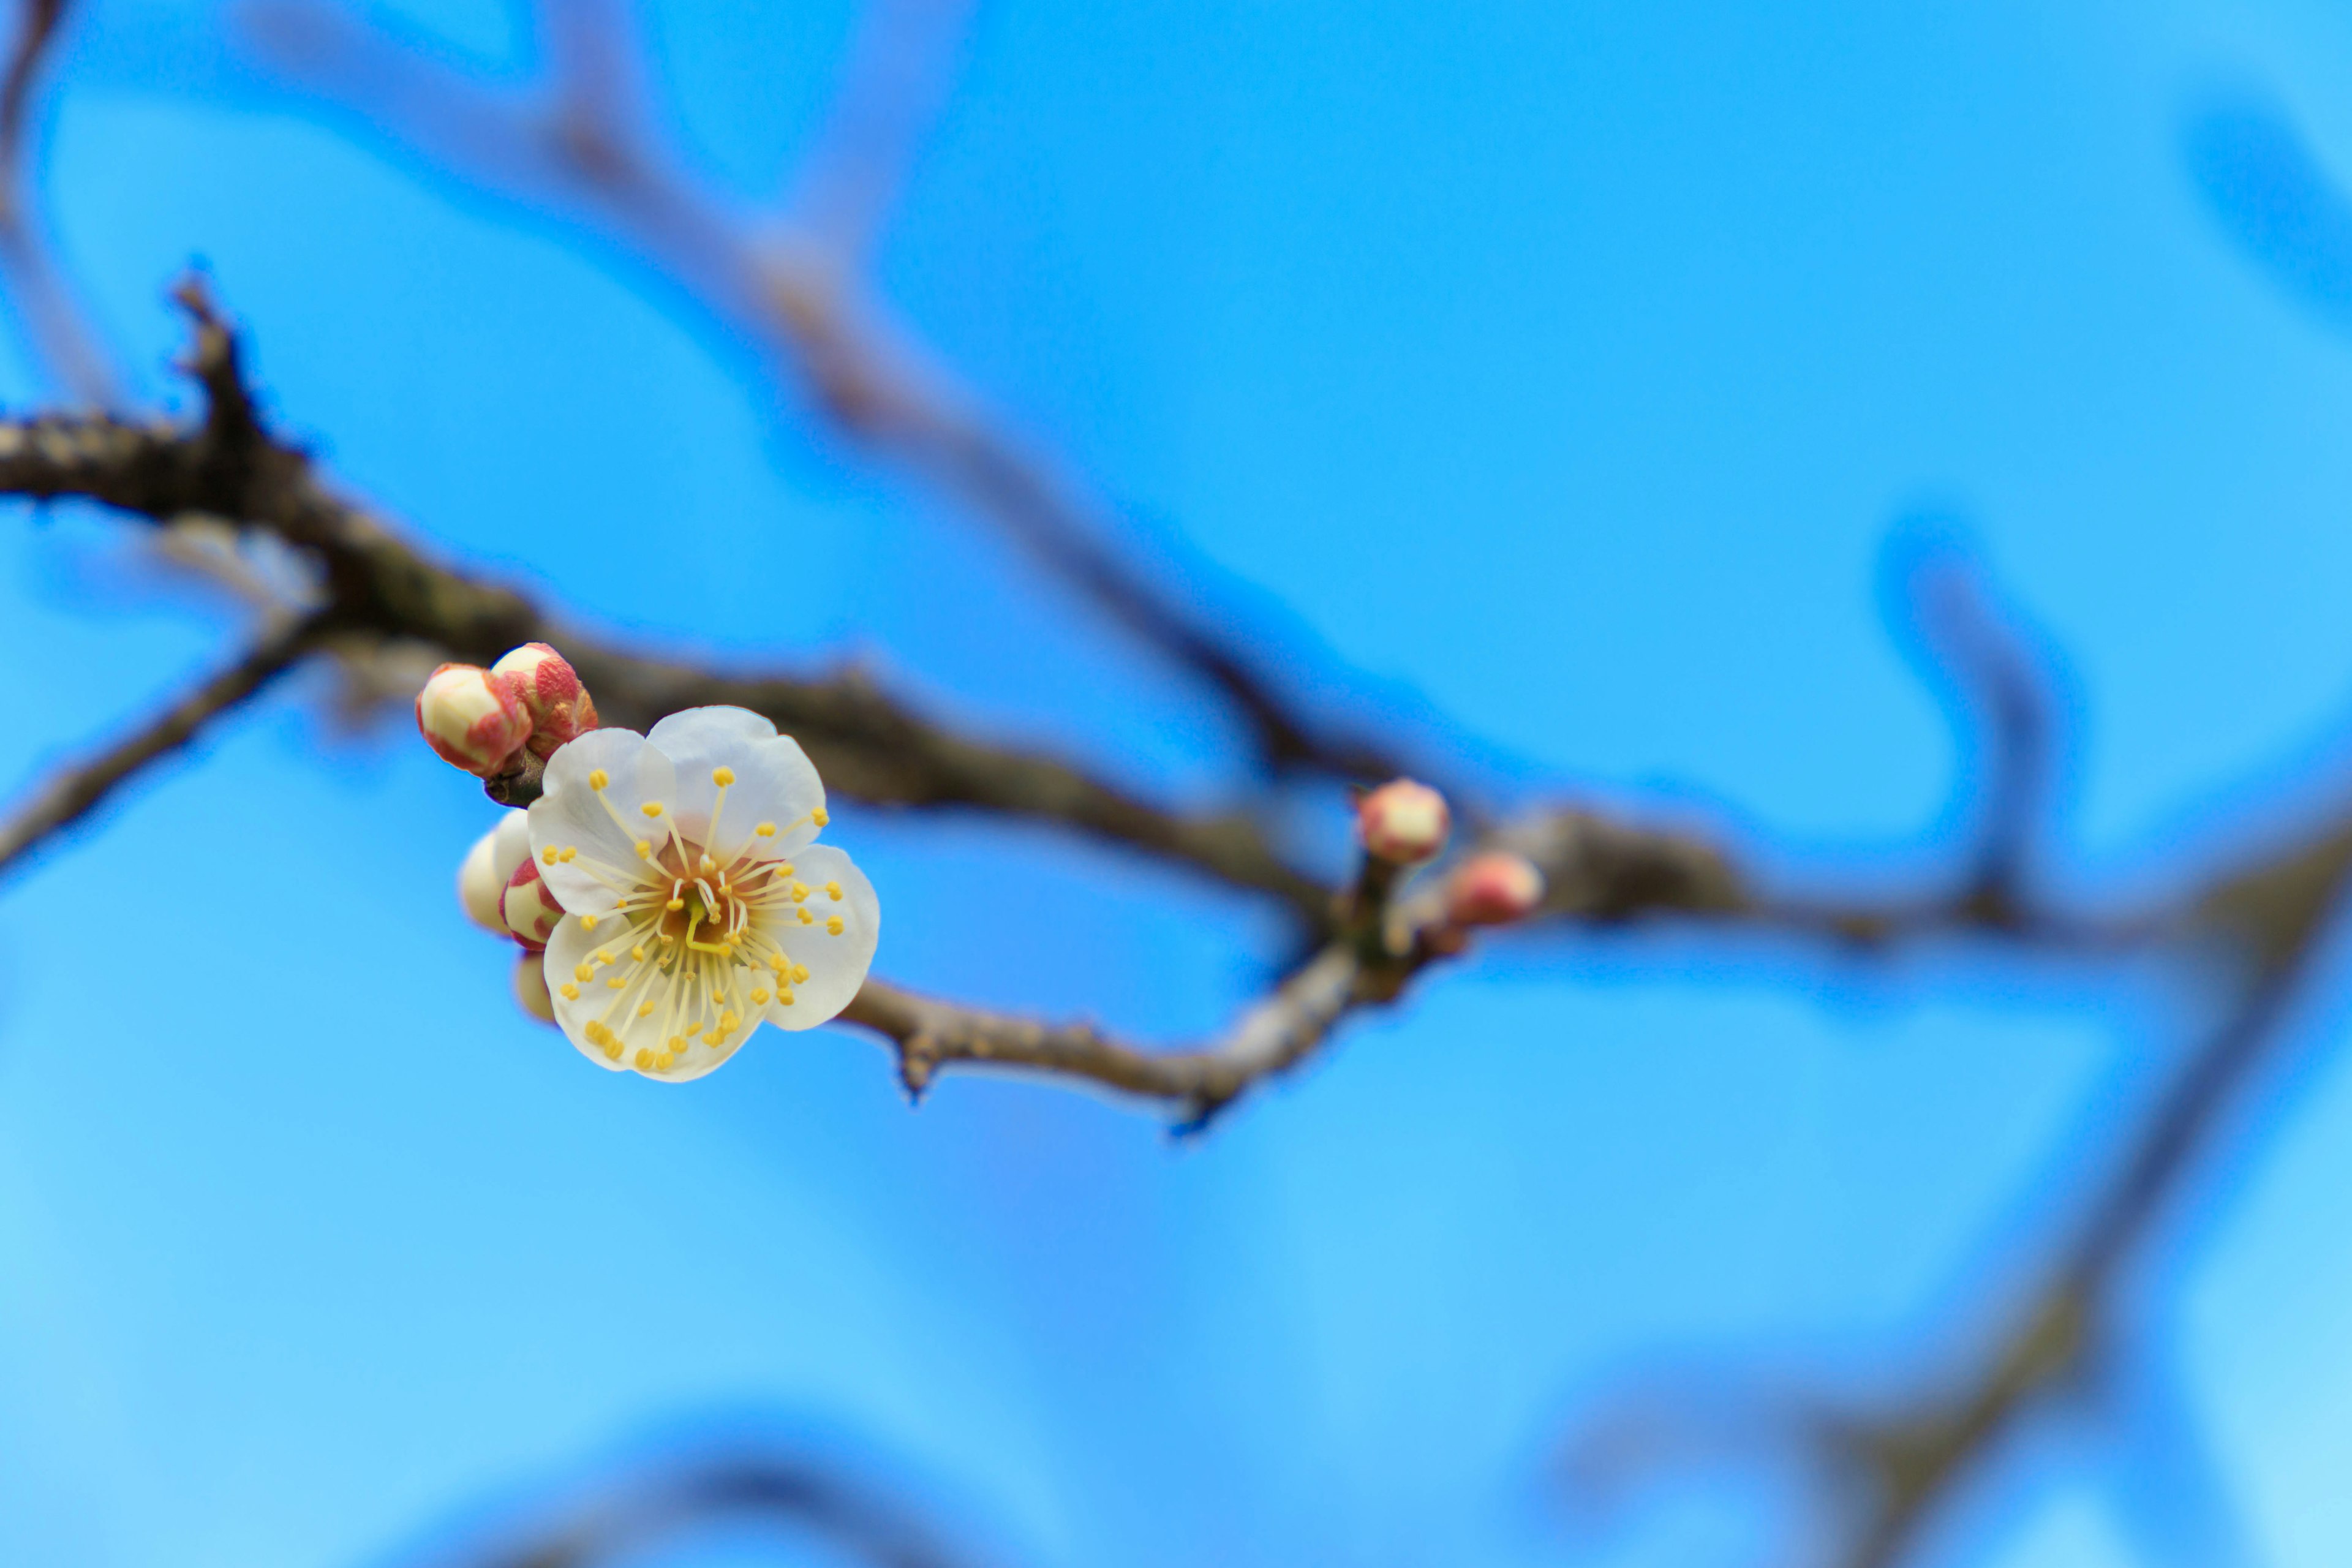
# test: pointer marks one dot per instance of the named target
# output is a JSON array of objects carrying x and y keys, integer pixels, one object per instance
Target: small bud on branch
[
  {"x": 472, "y": 720},
  {"x": 1492, "y": 890},
  {"x": 530, "y": 987},
  {"x": 1403, "y": 822},
  {"x": 488, "y": 866},
  {"x": 529, "y": 909},
  {"x": 558, "y": 706}
]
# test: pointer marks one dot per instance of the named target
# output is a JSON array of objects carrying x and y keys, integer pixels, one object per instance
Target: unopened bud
[
  {"x": 529, "y": 910},
  {"x": 530, "y": 987},
  {"x": 552, "y": 694},
  {"x": 1403, "y": 822},
  {"x": 1492, "y": 890},
  {"x": 489, "y": 866},
  {"x": 472, "y": 719}
]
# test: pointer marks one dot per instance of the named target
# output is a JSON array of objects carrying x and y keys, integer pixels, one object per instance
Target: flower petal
[
  {"x": 773, "y": 781},
  {"x": 836, "y": 963},
  {"x": 621, "y": 1009},
  {"x": 570, "y": 946},
  {"x": 569, "y": 815},
  {"x": 708, "y": 726}
]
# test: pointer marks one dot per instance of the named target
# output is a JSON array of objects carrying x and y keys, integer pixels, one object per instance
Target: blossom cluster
[
  {"x": 666, "y": 888},
  {"x": 1404, "y": 823},
  {"x": 486, "y": 720}
]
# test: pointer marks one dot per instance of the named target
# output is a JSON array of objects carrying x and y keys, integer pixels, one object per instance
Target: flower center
[{"x": 695, "y": 950}]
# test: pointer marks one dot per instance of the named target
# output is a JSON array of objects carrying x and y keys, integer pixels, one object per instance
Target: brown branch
[
  {"x": 785, "y": 284},
  {"x": 1381, "y": 944},
  {"x": 868, "y": 744},
  {"x": 1892, "y": 1468},
  {"x": 60, "y": 334},
  {"x": 75, "y": 792},
  {"x": 622, "y": 1517}
]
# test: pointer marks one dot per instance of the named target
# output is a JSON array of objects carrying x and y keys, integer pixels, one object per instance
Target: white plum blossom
[{"x": 697, "y": 904}]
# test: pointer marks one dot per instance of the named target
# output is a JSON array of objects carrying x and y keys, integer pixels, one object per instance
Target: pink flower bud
[
  {"x": 1492, "y": 890},
  {"x": 530, "y": 987},
  {"x": 472, "y": 719},
  {"x": 1403, "y": 822},
  {"x": 529, "y": 910},
  {"x": 489, "y": 866},
  {"x": 558, "y": 706}
]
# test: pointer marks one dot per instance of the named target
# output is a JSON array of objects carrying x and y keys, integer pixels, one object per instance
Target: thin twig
[
  {"x": 1381, "y": 943},
  {"x": 624, "y": 1516},
  {"x": 72, "y": 794},
  {"x": 60, "y": 333},
  {"x": 785, "y": 284},
  {"x": 869, "y": 744},
  {"x": 1896, "y": 1467}
]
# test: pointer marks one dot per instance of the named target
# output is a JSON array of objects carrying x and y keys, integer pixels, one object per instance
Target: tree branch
[
  {"x": 58, "y": 331},
  {"x": 626, "y": 1516},
  {"x": 1890, "y": 1469},
  {"x": 789, "y": 285},
  {"x": 76, "y": 792},
  {"x": 870, "y": 745}
]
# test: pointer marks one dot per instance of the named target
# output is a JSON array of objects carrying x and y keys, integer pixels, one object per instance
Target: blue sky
[{"x": 1563, "y": 367}]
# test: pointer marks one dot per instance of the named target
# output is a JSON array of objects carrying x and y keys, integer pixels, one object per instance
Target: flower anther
[
  {"x": 472, "y": 719},
  {"x": 675, "y": 854},
  {"x": 1403, "y": 822}
]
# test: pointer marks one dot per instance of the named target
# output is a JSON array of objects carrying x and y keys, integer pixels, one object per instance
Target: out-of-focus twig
[
  {"x": 1892, "y": 1466},
  {"x": 59, "y": 329},
  {"x": 623, "y": 1515},
  {"x": 73, "y": 793},
  {"x": 871, "y": 746},
  {"x": 583, "y": 141}
]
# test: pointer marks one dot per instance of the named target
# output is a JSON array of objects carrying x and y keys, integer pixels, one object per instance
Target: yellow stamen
[
  {"x": 586, "y": 972},
  {"x": 722, "y": 777},
  {"x": 651, "y": 808},
  {"x": 588, "y": 922},
  {"x": 785, "y": 997},
  {"x": 799, "y": 973},
  {"x": 548, "y": 854},
  {"x": 766, "y": 830},
  {"x": 832, "y": 925},
  {"x": 570, "y": 853},
  {"x": 612, "y": 1049},
  {"x": 598, "y": 778},
  {"x": 662, "y": 1062},
  {"x": 643, "y": 1059},
  {"x": 645, "y": 1008},
  {"x": 833, "y": 891},
  {"x": 571, "y": 992},
  {"x": 759, "y": 995},
  {"x": 819, "y": 817},
  {"x": 645, "y": 850},
  {"x": 800, "y": 892}
]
